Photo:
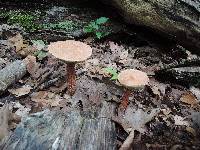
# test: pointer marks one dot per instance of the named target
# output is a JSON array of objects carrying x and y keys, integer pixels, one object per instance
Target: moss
[{"x": 25, "y": 19}]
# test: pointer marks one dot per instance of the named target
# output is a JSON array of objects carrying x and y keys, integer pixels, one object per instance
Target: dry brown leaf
[
  {"x": 17, "y": 41},
  {"x": 4, "y": 117},
  {"x": 46, "y": 99},
  {"x": 31, "y": 65},
  {"x": 191, "y": 130},
  {"x": 21, "y": 91},
  {"x": 189, "y": 98},
  {"x": 21, "y": 46}
]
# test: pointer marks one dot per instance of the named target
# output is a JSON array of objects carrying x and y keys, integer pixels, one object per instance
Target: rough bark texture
[
  {"x": 11, "y": 74},
  {"x": 180, "y": 19},
  {"x": 70, "y": 130}
]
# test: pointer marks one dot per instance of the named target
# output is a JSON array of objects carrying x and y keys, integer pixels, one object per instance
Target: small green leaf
[
  {"x": 99, "y": 35},
  {"x": 38, "y": 44},
  {"x": 87, "y": 29},
  {"x": 40, "y": 54},
  {"x": 112, "y": 71},
  {"x": 101, "y": 20}
]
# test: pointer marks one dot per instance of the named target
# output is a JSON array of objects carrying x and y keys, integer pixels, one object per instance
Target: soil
[{"x": 125, "y": 47}]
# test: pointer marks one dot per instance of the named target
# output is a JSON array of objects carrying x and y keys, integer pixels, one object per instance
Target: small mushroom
[
  {"x": 71, "y": 52},
  {"x": 131, "y": 79}
]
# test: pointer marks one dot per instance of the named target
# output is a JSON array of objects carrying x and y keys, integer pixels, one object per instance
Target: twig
[{"x": 128, "y": 142}]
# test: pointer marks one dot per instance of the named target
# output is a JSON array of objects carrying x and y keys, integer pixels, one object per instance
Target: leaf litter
[{"x": 47, "y": 74}]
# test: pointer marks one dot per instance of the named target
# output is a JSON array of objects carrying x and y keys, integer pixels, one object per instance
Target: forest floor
[{"x": 175, "y": 126}]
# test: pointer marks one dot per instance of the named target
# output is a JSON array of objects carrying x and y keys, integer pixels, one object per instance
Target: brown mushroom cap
[
  {"x": 70, "y": 50},
  {"x": 132, "y": 78}
]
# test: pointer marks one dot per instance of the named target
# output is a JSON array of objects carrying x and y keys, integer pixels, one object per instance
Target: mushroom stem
[
  {"x": 71, "y": 78},
  {"x": 125, "y": 99}
]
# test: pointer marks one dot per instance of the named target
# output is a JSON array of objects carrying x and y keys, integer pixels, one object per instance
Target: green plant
[
  {"x": 112, "y": 72},
  {"x": 97, "y": 27},
  {"x": 39, "y": 45},
  {"x": 24, "y": 19},
  {"x": 66, "y": 25}
]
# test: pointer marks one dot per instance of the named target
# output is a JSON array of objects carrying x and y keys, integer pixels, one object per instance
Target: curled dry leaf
[
  {"x": 21, "y": 91},
  {"x": 4, "y": 117},
  {"x": 189, "y": 98}
]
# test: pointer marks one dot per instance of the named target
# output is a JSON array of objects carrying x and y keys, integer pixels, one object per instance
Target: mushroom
[
  {"x": 131, "y": 79},
  {"x": 71, "y": 52}
]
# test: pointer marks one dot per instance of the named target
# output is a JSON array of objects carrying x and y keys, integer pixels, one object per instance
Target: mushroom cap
[
  {"x": 132, "y": 78},
  {"x": 70, "y": 51}
]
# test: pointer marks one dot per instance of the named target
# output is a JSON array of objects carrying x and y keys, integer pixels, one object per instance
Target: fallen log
[
  {"x": 12, "y": 73},
  {"x": 186, "y": 76},
  {"x": 178, "y": 19},
  {"x": 64, "y": 130}
]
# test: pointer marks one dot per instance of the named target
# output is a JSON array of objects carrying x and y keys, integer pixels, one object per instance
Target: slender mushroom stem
[
  {"x": 125, "y": 99},
  {"x": 71, "y": 78}
]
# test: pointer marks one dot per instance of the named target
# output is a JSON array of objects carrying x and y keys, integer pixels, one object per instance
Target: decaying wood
[
  {"x": 11, "y": 74},
  {"x": 4, "y": 116},
  {"x": 69, "y": 130},
  {"x": 186, "y": 76},
  {"x": 179, "y": 19}
]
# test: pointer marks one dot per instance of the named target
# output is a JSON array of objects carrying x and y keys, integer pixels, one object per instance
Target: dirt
[{"x": 124, "y": 48}]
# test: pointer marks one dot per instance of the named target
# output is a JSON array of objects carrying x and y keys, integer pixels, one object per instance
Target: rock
[{"x": 178, "y": 19}]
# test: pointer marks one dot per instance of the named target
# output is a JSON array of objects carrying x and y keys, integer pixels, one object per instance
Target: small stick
[{"x": 128, "y": 142}]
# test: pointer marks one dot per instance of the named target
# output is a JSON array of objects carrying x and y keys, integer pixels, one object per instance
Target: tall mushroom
[
  {"x": 131, "y": 79},
  {"x": 71, "y": 52}
]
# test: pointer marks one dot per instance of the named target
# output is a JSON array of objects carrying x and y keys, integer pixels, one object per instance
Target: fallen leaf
[
  {"x": 180, "y": 121},
  {"x": 115, "y": 48},
  {"x": 17, "y": 41},
  {"x": 123, "y": 55},
  {"x": 46, "y": 99},
  {"x": 189, "y": 98},
  {"x": 156, "y": 92},
  {"x": 4, "y": 117},
  {"x": 191, "y": 130},
  {"x": 135, "y": 119},
  {"x": 31, "y": 65},
  {"x": 196, "y": 92},
  {"x": 21, "y": 91},
  {"x": 22, "y": 111},
  {"x": 21, "y": 46}
]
